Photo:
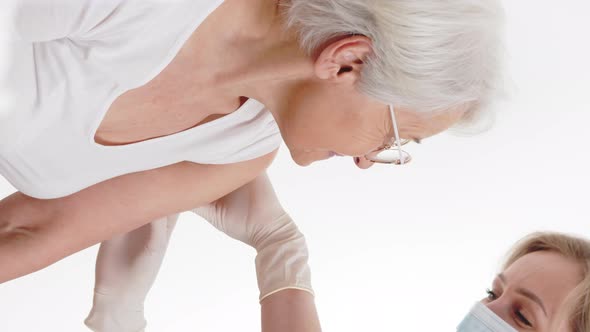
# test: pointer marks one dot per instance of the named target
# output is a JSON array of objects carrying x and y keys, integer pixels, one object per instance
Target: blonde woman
[
  {"x": 544, "y": 286},
  {"x": 128, "y": 112}
]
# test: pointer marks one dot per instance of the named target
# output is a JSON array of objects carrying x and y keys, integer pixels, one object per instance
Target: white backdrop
[{"x": 393, "y": 249}]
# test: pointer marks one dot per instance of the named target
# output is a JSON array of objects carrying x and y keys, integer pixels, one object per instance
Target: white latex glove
[
  {"x": 126, "y": 268},
  {"x": 253, "y": 215}
]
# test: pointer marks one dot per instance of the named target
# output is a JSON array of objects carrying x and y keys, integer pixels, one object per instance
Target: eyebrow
[{"x": 526, "y": 293}]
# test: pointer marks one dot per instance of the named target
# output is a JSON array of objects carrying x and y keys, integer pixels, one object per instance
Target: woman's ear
[{"x": 343, "y": 59}]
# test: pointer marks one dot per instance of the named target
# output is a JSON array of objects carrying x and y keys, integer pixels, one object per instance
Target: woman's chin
[
  {"x": 307, "y": 158},
  {"x": 303, "y": 162}
]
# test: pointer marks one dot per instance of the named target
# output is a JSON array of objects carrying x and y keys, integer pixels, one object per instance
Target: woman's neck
[{"x": 249, "y": 53}]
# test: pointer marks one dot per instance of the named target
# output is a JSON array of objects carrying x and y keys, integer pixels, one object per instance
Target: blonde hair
[
  {"x": 429, "y": 55},
  {"x": 577, "y": 304}
]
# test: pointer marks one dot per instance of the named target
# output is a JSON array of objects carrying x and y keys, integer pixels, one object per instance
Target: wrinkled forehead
[{"x": 550, "y": 275}]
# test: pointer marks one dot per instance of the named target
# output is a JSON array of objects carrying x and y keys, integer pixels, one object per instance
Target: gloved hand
[
  {"x": 253, "y": 215},
  {"x": 126, "y": 268}
]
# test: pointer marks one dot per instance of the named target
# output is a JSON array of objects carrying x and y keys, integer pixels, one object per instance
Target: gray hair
[{"x": 429, "y": 55}]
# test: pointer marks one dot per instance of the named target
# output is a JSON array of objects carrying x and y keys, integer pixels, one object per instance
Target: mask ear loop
[{"x": 396, "y": 133}]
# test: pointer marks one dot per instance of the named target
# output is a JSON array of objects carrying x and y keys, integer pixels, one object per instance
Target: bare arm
[
  {"x": 36, "y": 233},
  {"x": 290, "y": 310}
]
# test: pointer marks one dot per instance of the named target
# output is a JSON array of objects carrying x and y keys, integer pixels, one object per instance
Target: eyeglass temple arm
[{"x": 396, "y": 134}]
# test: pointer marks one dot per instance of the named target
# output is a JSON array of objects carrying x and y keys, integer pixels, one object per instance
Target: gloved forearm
[
  {"x": 252, "y": 214},
  {"x": 126, "y": 268},
  {"x": 282, "y": 259}
]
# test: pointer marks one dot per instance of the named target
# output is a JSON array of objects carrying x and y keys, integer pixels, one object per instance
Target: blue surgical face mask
[{"x": 482, "y": 319}]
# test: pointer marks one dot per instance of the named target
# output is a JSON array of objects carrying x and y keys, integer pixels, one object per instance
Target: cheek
[
  {"x": 313, "y": 120},
  {"x": 305, "y": 129},
  {"x": 320, "y": 117},
  {"x": 341, "y": 132},
  {"x": 359, "y": 134}
]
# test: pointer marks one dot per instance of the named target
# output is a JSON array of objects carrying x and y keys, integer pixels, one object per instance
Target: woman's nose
[{"x": 362, "y": 162}]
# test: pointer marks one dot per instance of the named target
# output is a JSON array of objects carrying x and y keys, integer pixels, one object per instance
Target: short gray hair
[{"x": 429, "y": 55}]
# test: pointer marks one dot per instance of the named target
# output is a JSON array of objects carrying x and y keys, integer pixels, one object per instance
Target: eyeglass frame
[{"x": 394, "y": 144}]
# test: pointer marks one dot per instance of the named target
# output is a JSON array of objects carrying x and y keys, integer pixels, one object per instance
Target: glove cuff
[{"x": 282, "y": 259}]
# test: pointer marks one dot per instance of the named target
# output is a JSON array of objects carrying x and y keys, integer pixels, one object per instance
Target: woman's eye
[
  {"x": 523, "y": 319},
  {"x": 491, "y": 295}
]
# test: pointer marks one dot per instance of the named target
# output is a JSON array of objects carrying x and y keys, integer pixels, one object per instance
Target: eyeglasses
[{"x": 392, "y": 152}]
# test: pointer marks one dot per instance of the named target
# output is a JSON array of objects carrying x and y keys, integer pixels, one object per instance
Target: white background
[{"x": 393, "y": 249}]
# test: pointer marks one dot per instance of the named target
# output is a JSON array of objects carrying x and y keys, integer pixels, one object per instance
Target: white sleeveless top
[{"x": 72, "y": 60}]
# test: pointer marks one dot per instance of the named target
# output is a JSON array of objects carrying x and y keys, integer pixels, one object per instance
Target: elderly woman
[
  {"x": 544, "y": 286},
  {"x": 127, "y": 112}
]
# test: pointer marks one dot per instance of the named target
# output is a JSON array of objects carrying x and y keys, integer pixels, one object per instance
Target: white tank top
[{"x": 72, "y": 60}]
